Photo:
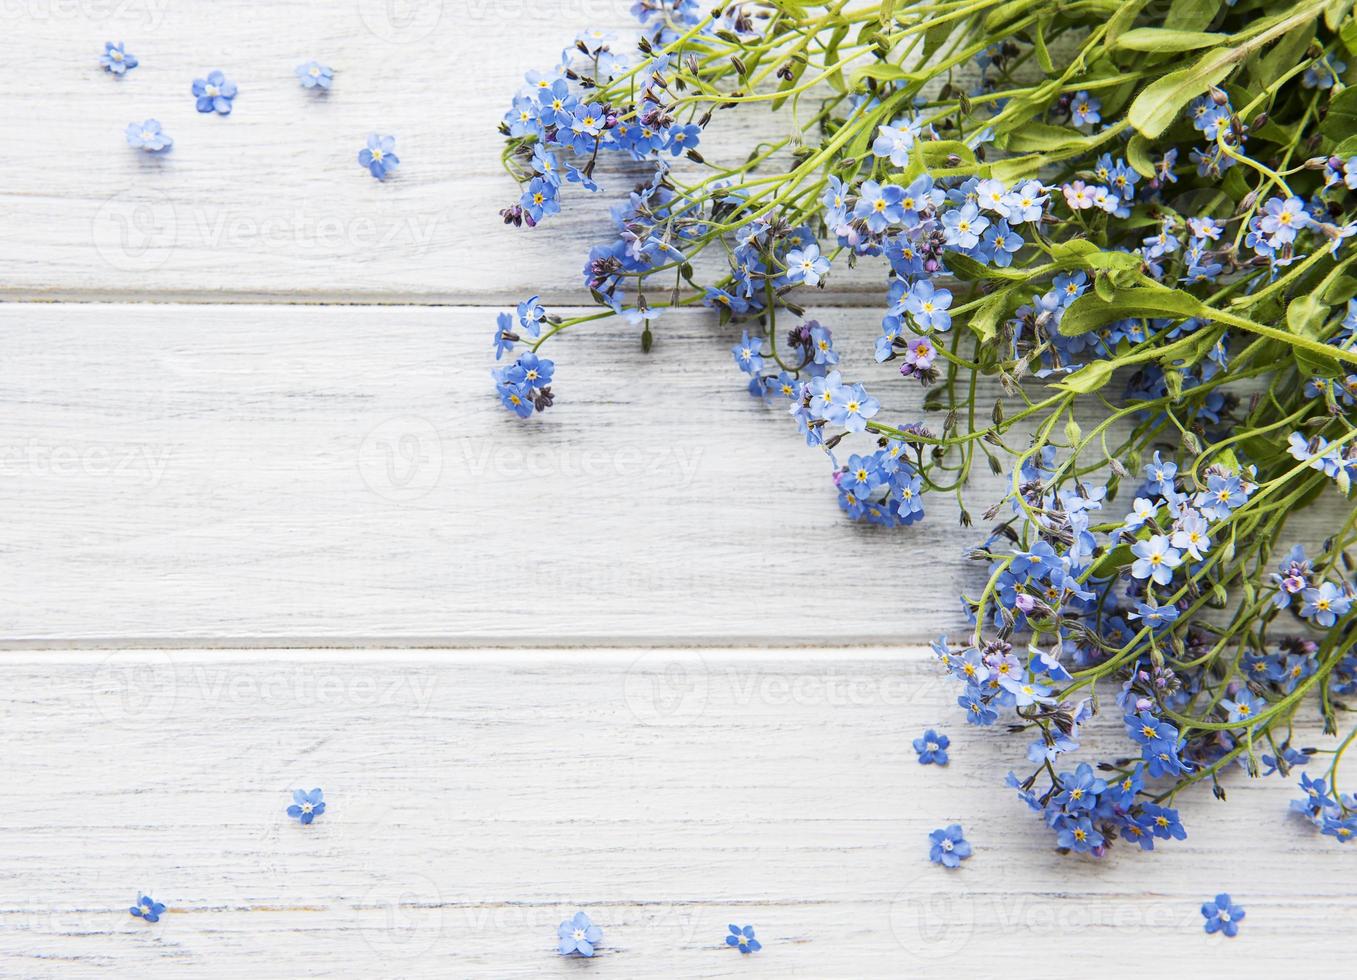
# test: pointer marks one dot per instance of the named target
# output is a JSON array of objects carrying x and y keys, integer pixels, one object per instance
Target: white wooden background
[{"x": 264, "y": 527}]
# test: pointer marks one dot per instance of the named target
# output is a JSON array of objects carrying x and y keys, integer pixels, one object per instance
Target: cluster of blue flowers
[
  {"x": 1072, "y": 587},
  {"x": 524, "y": 385},
  {"x": 217, "y": 94},
  {"x": 1058, "y": 593},
  {"x": 1334, "y": 814}
]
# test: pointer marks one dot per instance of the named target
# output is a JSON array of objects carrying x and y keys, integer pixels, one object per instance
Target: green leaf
[
  {"x": 1138, "y": 155},
  {"x": 883, "y": 72},
  {"x": 972, "y": 270},
  {"x": 1110, "y": 563},
  {"x": 1090, "y": 311},
  {"x": 1341, "y": 120},
  {"x": 1160, "y": 102},
  {"x": 1158, "y": 40},
  {"x": 985, "y": 323},
  {"x": 1305, "y": 315},
  {"x": 1088, "y": 378},
  {"x": 1191, "y": 15}
]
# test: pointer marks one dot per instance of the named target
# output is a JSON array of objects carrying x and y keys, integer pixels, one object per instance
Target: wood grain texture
[
  {"x": 270, "y": 202},
  {"x": 342, "y": 473},
  {"x": 476, "y": 799}
]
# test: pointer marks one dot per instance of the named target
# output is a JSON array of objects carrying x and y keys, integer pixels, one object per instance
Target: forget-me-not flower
[
  {"x": 315, "y": 75},
  {"x": 116, "y": 59},
  {"x": 148, "y": 136},
  {"x": 306, "y": 806},
  {"x": 215, "y": 93},
  {"x": 578, "y": 935},
  {"x": 379, "y": 155}
]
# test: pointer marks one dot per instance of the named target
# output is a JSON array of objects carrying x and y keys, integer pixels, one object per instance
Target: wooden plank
[
  {"x": 477, "y": 798},
  {"x": 270, "y": 203},
  {"x": 339, "y": 473},
  {"x": 347, "y": 472}
]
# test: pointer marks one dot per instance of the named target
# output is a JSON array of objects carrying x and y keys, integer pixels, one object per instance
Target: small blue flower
[
  {"x": 214, "y": 93},
  {"x": 116, "y": 59},
  {"x": 578, "y": 935},
  {"x": 147, "y": 908},
  {"x": 1085, "y": 110},
  {"x": 744, "y": 939},
  {"x": 504, "y": 335},
  {"x": 379, "y": 155},
  {"x": 315, "y": 75},
  {"x": 932, "y": 748},
  {"x": 306, "y": 806},
  {"x": 148, "y": 136},
  {"x": 1221, "y": 915},
  {"x": 948, "y": 846}
]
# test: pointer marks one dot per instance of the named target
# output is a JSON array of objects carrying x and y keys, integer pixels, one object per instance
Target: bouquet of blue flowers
[{"x": 1134, "y": 219}]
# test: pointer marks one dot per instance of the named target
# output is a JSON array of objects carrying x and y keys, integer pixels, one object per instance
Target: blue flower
[
  {"x": 539, "y": 200},
  {"x": 1221, "y": 915},
  {"x": 748, "y": 353},
  {"x": 379, "y": 155},
  {"x": 1084, "y": 110},
  {"x": 744, "y": 939},
  {"x": 1077, "y": 833},
  {"x": 147, "y": 908},
  {"x": 1325, "y": 604},
  {"x": 948, "y": 846},
  {"x": 928, "y": 306},
  {"x": 806, "y": 265},
  {"x": 148, "y": 136},
  {"x": 1155, "y": 559},
  {"x": 1080, "y": 789},
  {"x": 315, "y": 75},
  {"x": 306, "y": 806},
  {"x": 578, "y": 935},
  {"x": 215, "y": 93},
  {"x": 117, "y": 60},
  {"x": 504, "y": 335},
  {"x": 978, "y": 711},
  {"x": 932, "y": 748}
]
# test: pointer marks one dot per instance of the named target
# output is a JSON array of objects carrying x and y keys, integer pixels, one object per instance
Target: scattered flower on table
[
  {"x": 579, "y": 935},
  {"x": 315, "y": 75},
  {"x": 147, "y": 908},
  {"x": 949, "y": 846},
  {"x": 148, "y": 136},
  {"x": 744, "y": 939},
  {"x": 306, "y": 806},
  {"x": 932, "y": 748},
  {"x": 215, "y": 93},
  {"x": 116, "y": 59},
  {"x": 379, "y": 156},
  {"x": 1222, "y": 915}
]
